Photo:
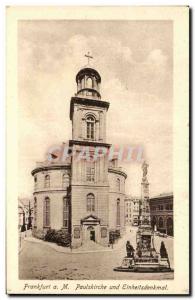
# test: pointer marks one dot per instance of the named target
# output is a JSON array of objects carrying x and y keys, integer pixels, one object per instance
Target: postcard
[{"x": 98, "y": 150}]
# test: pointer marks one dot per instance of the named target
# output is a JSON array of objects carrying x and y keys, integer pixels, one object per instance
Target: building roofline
[
  {"x": 86, "y": 101},
  {"x": 117, "y": 171},
  {"x": 88, "y": 70},
  {"x": 88, "y": 143},
  {"x": 50, "y": 167},
  {"x": 163, "y": 195}
]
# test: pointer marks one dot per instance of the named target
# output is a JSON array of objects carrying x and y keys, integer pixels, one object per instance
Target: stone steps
[{"x": 91, "y": 246}]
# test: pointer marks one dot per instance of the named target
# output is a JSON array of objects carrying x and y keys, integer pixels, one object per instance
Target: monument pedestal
[{"x": 146, "y": 258}]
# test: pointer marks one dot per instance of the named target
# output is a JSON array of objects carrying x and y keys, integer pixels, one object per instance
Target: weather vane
[{"x": 88, "y": 57}]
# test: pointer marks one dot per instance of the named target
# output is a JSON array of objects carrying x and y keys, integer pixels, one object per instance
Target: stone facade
[
  {"x": 161, "y": 210},
  {"x": 83, "y": 196},
  {"x": 132, "y": 207}
]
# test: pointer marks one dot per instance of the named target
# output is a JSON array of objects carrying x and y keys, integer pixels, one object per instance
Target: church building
[{"x": 84, "y": 197}]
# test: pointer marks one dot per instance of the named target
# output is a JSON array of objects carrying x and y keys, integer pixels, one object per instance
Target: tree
[{"x": 30, "y": 210}]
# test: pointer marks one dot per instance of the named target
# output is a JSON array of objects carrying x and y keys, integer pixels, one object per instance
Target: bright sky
[{"x": 135, "y": 62}]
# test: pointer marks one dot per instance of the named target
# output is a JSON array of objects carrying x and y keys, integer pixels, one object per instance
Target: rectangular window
[
  {"x": 92, "y": 131},
  {"x": 103, "y": 232},
  {"x": 88, "y": 132},
  {"x": 77, "y": 233},
  {"x": 65, "y": 212},
  {"x": 118, "y": 213},
  {"x": 35, "y": 212},
  {"x": 90, "y": 171},
  {"x": 46, "y": 212}
]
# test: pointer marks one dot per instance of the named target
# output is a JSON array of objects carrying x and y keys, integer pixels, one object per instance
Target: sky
[{"x": 135, "y": 61}]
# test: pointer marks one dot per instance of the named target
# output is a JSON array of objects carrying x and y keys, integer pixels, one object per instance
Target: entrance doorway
[{"x": 92, "y": 235}]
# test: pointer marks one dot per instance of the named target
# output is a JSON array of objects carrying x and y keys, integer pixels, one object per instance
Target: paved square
[{"x": 40, "y": 261}]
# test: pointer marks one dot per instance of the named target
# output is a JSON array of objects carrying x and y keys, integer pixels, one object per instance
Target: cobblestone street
[{"x": 40, "y": 261}]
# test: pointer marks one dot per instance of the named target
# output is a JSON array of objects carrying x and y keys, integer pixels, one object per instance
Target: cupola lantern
[{"x": 88, "y": 82}]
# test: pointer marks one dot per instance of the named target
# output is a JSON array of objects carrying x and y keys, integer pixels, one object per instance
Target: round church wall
[
  {"x": 51, "y": 199},
  {"x": 116, "y": 180}
]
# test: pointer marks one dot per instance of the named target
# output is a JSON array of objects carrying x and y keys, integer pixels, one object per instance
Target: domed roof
[
  {"x": 89, "y": 71},
  {"x": 88, "y": 82}
]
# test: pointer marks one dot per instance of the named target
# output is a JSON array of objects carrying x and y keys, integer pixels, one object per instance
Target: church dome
[{"x": 88, "y": 83}]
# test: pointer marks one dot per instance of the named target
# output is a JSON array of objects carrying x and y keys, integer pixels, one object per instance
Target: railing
[{"x": 51, "y": 163}]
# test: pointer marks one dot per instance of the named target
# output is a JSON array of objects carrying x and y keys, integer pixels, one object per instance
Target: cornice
[
  {"x": 119, "y": 172},
  {"x": 87, "y": 102},
  {"x": 50, "y": 167}
]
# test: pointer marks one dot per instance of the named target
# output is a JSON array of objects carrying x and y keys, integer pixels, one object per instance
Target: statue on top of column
[{"x": 145, "y": 170}]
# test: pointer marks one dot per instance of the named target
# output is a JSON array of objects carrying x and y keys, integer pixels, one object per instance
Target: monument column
[{"x": 145, "y": 204}]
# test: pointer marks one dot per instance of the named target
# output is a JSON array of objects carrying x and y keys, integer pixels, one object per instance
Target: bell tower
[
  {"x": 89, "y": 178},
  {"x": 88, "y": 83},
  {"x": 87, "y": 110}
]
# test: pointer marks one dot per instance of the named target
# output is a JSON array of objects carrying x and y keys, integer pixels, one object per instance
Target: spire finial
[{"x": 88, "y": 57}]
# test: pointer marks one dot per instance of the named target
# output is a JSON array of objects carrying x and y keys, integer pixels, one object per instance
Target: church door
[{"x": 92, "y": 235}]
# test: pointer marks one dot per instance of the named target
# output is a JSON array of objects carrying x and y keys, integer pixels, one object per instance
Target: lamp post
[{"x": 29, "y": 216}]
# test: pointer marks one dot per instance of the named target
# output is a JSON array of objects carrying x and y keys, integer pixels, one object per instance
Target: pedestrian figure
[
  {"x": 130, "y": 250},
  {"x": 139, "y": 250}
]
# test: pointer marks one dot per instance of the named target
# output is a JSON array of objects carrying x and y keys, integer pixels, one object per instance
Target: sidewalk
[
  {"x": 82, "y": 249},
  {"x": 88, "y": 247},
  {"x": 21, "y": 238}
]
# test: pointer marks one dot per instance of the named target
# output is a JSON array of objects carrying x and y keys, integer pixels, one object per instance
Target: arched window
[
  {"x": 90, "y": 127},
  {"x": 65, "y": 212},
  {"x": 47, "y": 181},
  {"x": 65, "y": 180},
  {"x": 46, "y": 212},
  {"x": 118, "y": 221},
  {"x": 153, "y": 222},
  {"x": 118, "y": 184},
  {"x": 90, "y": 202},
  {"x": 89, "y": 83},
  {"x": 35, "y": 212},
  {"x": 160, "y": 222},
  {"x": 35, "y": 181},
  {"x": 170, "y": 226}
]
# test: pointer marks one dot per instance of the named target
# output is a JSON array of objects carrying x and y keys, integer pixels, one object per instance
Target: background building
[
  {"x": 25, "y": 214},
  {"x": 82, "y": 197},
  {"x": 132, "y": 206},
  {"x": 161, "y": 210}
]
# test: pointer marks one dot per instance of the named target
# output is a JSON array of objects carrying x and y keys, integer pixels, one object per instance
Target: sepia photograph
[{"x": 96, "y": 197}]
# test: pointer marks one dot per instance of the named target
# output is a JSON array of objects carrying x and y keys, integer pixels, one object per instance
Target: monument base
[
  {"x": 144, "y": 265},
  {"x": 146, "y": 259}
]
